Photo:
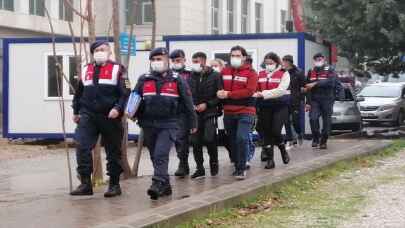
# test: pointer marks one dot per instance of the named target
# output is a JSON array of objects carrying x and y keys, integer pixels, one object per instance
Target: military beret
[
  {"x": 97, "y": 44},
  {"x": 158, "y": 51}
]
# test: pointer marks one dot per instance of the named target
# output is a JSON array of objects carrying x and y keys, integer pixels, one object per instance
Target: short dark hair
[
  {"x": 239, "y": 48},
  {"x": 178, "y": 53},
  {"x": 273, "y": 56},
  {"x": 199, "y": 55},
  {"x": 289, "y": 58},
  {"x": 318, "y": 55}
]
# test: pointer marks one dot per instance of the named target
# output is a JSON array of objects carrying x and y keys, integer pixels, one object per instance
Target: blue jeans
[
  {"x": 251, "y": 148},
  {"x": 237, "y": 128}
]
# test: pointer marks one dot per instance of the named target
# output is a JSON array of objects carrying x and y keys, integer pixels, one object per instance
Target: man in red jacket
[{"x": 240, "y": 83}]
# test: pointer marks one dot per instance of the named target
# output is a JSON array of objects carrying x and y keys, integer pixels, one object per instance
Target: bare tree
[
  {"x": 116, "y": 31},
  {"x": 154, "y": 21},
  {"x": 58, "y": 72},
  {"x": 90, "y": 19}
]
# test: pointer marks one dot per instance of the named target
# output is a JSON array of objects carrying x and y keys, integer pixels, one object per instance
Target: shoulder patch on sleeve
[{"x": 127, "y": 83}]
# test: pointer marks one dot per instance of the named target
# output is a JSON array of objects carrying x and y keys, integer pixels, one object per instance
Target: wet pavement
[{"x": 34, "y": 192}]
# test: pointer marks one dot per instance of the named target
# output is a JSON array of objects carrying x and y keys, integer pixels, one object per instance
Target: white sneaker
[{"x": 289, "y": 146}]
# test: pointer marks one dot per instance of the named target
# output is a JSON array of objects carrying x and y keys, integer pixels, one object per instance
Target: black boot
[
  {"x": 183, "y": 169},
  {"x": 324, "y": 144},
  {"x": 214, "y": 168},
  {"x": 199, "y": 173},
  {"x": 270, "y": 161},
  {"x": 85, "y": 188},
  {"x": 159, "y": 189},
  {"x": 284, "y": 154},
  {"x": 315, "y": 143},
  {"x": 114, "y": 188},
  {"x": 264, "y": 155}
]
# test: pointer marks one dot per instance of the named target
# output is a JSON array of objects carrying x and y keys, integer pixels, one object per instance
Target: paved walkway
[{"x": 33, "y": 192}]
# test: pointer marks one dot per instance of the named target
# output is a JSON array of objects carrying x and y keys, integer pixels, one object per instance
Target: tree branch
[
  {"x": 58, "y": 70},
  {"x": 69, "y": 4}
]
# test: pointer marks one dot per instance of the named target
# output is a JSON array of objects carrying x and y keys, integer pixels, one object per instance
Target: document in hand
[{"x": 134, "y": 101}]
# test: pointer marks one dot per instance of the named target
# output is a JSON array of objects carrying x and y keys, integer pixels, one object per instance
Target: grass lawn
[{"x": 319, "y": 199}]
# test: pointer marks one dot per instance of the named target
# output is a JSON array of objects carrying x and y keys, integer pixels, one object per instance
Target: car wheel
[
  {"x": 357, "y": 127},
  {"x": 400, "y": 119}
]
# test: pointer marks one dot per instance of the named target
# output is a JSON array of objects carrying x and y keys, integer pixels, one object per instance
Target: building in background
[{"x": 202, "y": 17}]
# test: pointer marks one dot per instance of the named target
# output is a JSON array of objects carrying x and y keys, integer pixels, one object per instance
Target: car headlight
[
  {"x": 351, "y": 111},
  {"x": 387, "y": 107}
]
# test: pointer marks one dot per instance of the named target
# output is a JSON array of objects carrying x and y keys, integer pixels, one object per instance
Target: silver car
[
  {"x": 383, "y": 102},
  {"x": 346, "y": 115}
]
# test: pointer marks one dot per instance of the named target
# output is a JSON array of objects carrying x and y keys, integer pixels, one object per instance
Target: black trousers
[
  {"x": 270, "y": 124},
  {"x": 182, "y": 144},
  {"x": 293, "y": 120},
  {"x": 90, "y": 126},
  {"x": 205, "y": 136},
  {"x": 323, "y": 109}
]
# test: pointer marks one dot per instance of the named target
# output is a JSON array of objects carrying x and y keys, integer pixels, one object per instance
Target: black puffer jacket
[
  {"x": 297, "y": 82},
  {"x": 204, "y": 87}
]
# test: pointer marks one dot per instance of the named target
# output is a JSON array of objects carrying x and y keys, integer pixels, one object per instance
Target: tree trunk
[
  {"x": 91, "y": 21},
  {"x": 97, "y": 164},
  {"x": 124, "y": 145},
  {"x": 154, "y": 21},
  {"x": 116, "y": 30}
]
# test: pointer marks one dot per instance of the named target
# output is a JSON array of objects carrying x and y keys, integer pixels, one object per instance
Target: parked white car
[
  {"x": 383, "y": 102},
  {"x": 346, "y": 114}
]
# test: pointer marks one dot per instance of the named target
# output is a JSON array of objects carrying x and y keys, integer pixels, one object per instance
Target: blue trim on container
[
  {"x": 50, "y": 136},
  {"x": 58, "y": 39},
  {"x": 301, "y": 51},
  {"x": 5, "y": 86},
  {"x": 237, "y": 37}
]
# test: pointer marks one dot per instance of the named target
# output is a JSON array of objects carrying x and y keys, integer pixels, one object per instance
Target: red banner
[
  {"x": 298, "y": 12},
  {"x": 334, "y": 54}
]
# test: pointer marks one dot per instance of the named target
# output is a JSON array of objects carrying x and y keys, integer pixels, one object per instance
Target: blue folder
[{"x": 134, "y": 101}]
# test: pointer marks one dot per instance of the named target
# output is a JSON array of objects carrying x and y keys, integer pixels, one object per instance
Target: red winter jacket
[{"x": 242, "y": 84}]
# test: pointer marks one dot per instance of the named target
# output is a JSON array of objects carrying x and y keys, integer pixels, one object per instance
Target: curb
[{"x": 179, "y": 211}]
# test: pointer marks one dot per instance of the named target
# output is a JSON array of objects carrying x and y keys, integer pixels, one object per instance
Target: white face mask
[
  {"x": 216, "y": 69},
  {"x": 319, "y": 63},
  {"x": 100, "y": 57},
  {"x": 158, "y": 66},
  {"x": 177, "y": 66},
  {"x": 196, "y": 67},
  {"x": 271, "y": 68},
  {"x": 236, "y": 62}
]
